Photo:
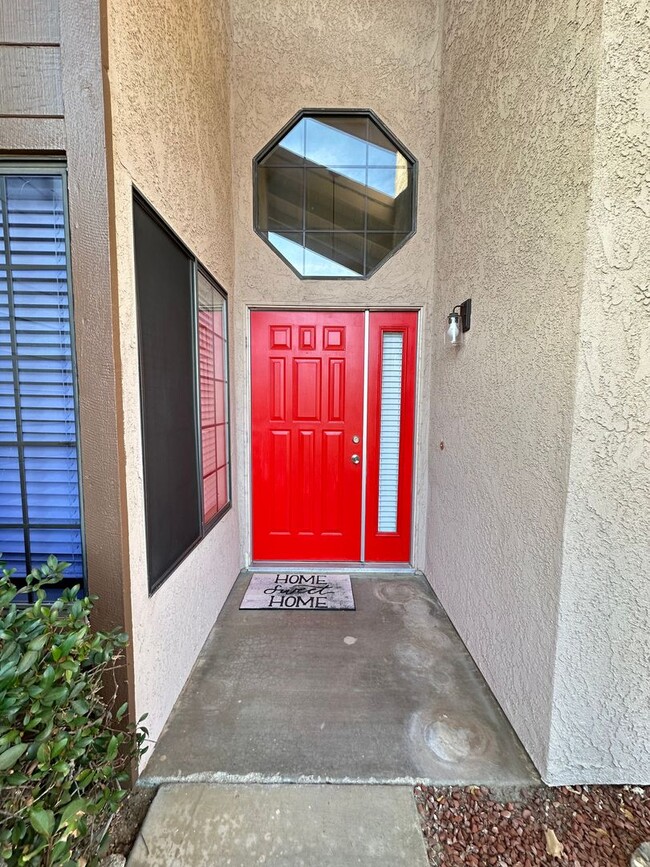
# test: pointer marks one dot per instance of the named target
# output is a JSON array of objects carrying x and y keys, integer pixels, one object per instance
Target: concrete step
[{"x": 201, "y": 825}]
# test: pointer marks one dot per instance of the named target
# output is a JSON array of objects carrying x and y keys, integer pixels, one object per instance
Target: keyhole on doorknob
[
  {"x": 355, "y": 459},
  {"x": 355, "y": 439}
]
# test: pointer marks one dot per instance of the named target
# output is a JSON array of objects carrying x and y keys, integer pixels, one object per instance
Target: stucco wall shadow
[
  {"x": 600, "y": 727},
  {"x": 539, "y": 503},
  {"x": 169, "y": 67},
  {"x": 518, "y": 101}
]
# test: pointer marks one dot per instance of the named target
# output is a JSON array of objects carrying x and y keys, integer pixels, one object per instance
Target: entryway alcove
[{"x": 383, "y": 694}]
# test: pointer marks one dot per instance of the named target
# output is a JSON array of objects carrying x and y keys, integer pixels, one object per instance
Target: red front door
[
  {"x": 307, "y": 406},
  {"x": 310, "y": 455}
]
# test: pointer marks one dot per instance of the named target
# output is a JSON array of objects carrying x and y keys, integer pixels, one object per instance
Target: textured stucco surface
[
  {"x": 601, "y": 725},
  {"x": 332, "y": 54},
  {"x": 169, "y": 85},
  {"x": 518, "y": 102},
  {"x": 530, "y": 127}
]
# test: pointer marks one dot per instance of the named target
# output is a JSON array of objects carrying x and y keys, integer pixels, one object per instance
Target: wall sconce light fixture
[{"x": 458, "y": 322}]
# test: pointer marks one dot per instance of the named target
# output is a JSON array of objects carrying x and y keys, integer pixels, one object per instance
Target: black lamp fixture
[{"x": 458, "y": 322}]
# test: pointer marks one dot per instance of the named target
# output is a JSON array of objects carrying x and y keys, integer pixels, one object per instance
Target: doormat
[{"x": 302, "y": 591}]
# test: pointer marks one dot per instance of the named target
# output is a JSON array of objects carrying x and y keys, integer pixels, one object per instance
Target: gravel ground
[{"x": 581, "y": 826}]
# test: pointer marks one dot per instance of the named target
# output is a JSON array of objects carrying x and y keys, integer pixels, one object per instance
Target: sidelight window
[{"x": 389, "y": 430}]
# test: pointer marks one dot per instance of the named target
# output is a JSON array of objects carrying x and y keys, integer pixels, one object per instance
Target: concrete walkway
[
  {"x": 384, "y": 694},
  {"x": 281, "y": 826}
]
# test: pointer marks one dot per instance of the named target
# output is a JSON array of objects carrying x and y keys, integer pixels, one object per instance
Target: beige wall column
[
  {"x": 168, "y": 73},
  {"x": 600, "y": 725},
  {"x": 332, "y": 54},
  {"x": 540, "y": 502},
  {"x": 518, "y": 101}
]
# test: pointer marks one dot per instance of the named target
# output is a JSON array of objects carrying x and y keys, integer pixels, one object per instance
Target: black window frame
[
  {"x": 333, "y": 112},
  {"x": 196, "y": 267}
]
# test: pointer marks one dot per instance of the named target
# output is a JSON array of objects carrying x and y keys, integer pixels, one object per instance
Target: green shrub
[{"x": 63, "y": 756}]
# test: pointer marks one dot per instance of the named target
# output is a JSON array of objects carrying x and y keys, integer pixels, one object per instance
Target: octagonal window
[{"x": 335, "y": 194}]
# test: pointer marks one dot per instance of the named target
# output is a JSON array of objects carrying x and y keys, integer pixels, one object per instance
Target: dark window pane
[
  {"x": 380, "y": 245},
  {"x": 390, "y": 199},
  {"x": 165, "y": 316},
  {"x": 280, "y": 198},
  {"x": 336, "y": 201}
]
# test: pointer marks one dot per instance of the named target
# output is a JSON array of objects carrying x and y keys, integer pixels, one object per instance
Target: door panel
[{"x": 307, "y": 404}]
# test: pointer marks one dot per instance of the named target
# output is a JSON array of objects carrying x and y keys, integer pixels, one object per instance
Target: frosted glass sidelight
[{"x": 389, "y": 430}]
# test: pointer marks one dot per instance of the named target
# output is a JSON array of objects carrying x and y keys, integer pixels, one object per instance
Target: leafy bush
[{"x": 63, "y": 756}]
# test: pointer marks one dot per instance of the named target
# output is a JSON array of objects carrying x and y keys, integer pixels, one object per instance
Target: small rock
[
  {"x": 641, "y": 856},
  {"x": 114, "y": 861}
]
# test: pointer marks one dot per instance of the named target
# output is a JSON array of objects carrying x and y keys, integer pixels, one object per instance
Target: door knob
[{"x": 355, "y": 459}]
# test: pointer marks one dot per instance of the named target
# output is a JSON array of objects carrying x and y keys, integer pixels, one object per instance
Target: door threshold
[{"x": 324, "y": 566}]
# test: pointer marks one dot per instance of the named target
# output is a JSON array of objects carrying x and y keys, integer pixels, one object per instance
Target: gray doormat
[{"x": 299, "y": 591}]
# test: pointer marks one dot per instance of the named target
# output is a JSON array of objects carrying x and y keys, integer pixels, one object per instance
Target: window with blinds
[
  {"x": 40, "y": 512},
  {"x": 389, "y": 431},
  {"x": 213, "y": 391}
]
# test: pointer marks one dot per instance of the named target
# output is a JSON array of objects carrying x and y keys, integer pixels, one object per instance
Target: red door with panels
[
  {"x": 312, "y": 473},
  {"x": 307, "y": 405}
]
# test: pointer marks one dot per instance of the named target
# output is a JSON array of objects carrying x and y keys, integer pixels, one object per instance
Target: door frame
[{"x": 246, "y": 488}]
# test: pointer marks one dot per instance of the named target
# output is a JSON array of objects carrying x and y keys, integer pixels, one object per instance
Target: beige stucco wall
[
  {"x": 169, "y": 96},
  {"x": 600, "y": 724},
  {"x": 508, "y": 111},
  {"x": 518, "y": 101},
  {"x": 169, "y": 80},
  {"x": 332, "y": 54}
]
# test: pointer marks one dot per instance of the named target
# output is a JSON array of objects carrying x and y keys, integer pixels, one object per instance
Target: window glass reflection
[
  {"x": 379, "y": 245},
  {"x": 334, "y": 200},
  {"x": 281, "y": 199},
  {"x": 336, "y": 143},
  {"x": 325, "y": 187},
  {"x": 215, "y": 457}
]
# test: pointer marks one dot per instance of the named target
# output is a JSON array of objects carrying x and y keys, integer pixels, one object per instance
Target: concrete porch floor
[{"x": 384, "y": 694}]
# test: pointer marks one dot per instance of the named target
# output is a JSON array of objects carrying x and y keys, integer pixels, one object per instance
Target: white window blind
[
  {"x": 39, "y": 472},
  {"x": 389, "y": 430}
]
